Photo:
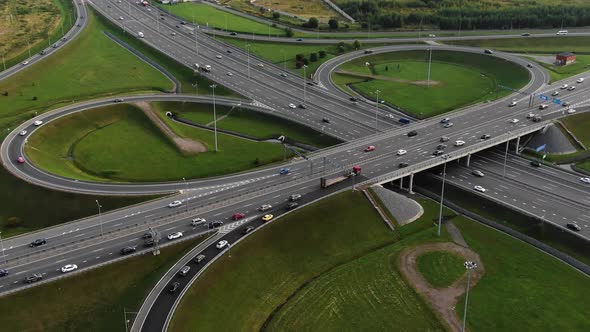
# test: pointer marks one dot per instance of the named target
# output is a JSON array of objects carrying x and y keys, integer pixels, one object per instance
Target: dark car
[
  {"x": 183, "y": 22},
  {"x": 38, "y": 242},
  {"x": 3, "y": 272},
  {"x": 412, "y": 133},
  {"x": 302, "y": 106},
  {"x": 441, "y": 146},
  {"x": 175, "y": 285},
  {"x": 353, "y": 99},
  {"x": 368, "y": 51},
  {"x": 326, "y": 120},
  {"x": 147, "y": 235},
  {"x": 43, "y": 52},
  {"x": 233, "y": 34},
  {"x": 438, "y": 152},
  {"x": 402, "y": 165},
  {"x": 298, "y": 39},
  {"x": 128, "y": 250},
  {"x": 292, "y": 206},
  {"x": 229, "y": 51},
  {"x": 486, "y": 136},
  {"x": 536, "y": 163},
  {"x": 215, "y": 224},
  {"x": 149, "y": 242},
  {"x": 573, "y": 226},
  {"x": 33, "y": 278},
  {"x": 247, "y": 230}
]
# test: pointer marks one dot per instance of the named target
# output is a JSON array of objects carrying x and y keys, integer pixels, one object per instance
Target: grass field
[
  {"x": 460, "y": 79},
  {"x": 578, "y": 125},
  {"x": 260, "y": 125},
  {"x": 212, "y": 17},
  {"x": 92, "y": 301},
  {"x": 301, "y": 8},
  {"x": 523, "y": 288},
  {"x": 562, "y": 72},
  {"x": 440, "y": 268}
]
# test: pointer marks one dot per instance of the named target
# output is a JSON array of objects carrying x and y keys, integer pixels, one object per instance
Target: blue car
[{"x": 284, "y": 171}]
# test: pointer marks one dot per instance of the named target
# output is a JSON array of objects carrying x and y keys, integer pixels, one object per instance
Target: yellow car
[{"x": 267, "y": 217}]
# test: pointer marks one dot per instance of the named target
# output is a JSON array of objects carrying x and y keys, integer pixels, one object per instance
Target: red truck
[{"x": 328, "y": 181}]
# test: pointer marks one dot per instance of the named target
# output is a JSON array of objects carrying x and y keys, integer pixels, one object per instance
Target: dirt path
[
  {"x": 442, "y": 300},
  {"x": 185, "y": 145},
  {"x": 386, "y": 78}
]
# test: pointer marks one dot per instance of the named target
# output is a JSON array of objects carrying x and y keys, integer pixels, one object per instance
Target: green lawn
[
  {"x": 578, "y": 125},
  {"x": 523, "y": 288},
  {"x": 92, "y": 301},
  {"x": 206, "y": 15},
  {"x": 242, "y": 120},
  {"x": 440, "y": 268},
  {"x": 276, "y": 261},
  {"x": 118, "y": 143},
  {"x": 562, "y": 72},
  {"x": 460, "y": 79}
]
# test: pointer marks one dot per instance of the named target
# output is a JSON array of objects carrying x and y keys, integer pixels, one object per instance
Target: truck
[
  {"x": 145, "y": 3},
  {"x": 325, "y": 182},
  {"x": 404, "y": 121},
  {"x": 206, "y": 68}
]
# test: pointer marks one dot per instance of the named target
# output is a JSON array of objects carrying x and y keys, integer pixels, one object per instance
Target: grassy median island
[
  {"x": 91, "y": 301},
  {"x": 440, "y": 268},
  {"x": 458, "y": 79}
]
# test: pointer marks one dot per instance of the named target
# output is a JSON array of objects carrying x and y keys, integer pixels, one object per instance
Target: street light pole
[
  {"x": 304, "y": 82},
  {"x": 376, "y": 108},
  {"x": 248, "y": 48},
  {"x": 2, "y": 245},
  {"x": 99, "y": 217},
  {"x": 429, "y": 65},
  {"x": 213, "y": 86},
  {"x": 505, "y": 158},
  {"x": 284, "y": 61},
  {"x": 186, "y": 189},
  {"x": 442, "y": 196},
  {"x": 469, "y": 266}
]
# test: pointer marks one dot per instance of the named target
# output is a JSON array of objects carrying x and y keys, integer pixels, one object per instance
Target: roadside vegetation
[
  {"x": 93, "y": 300},
  {"x": 458, "y": 79},
  {"x": 440, "y": 268}
]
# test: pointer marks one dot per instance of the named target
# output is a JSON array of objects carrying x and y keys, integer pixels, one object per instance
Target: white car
[
  {"x": 37, "y": 123},
  {"x": 390, "y": 116},
  {"x": 25, "y": 63},
  {"x": 571, "y": 111},
  {"x": 401, "y": 152},
  {"x": 555, "y": 93},
  {"x": 175, "y": 235},
  {"x": 261, "y": 64},
  {"x": 198, "y": 221},
  {"x": 571, "y": 88},
  {"x": 563, "y": 87},
  {"x": 512, "y": 104},
  {"x": 513, "y": 121},
  {"x": 265, "y": 207},
  {"x": 69, "y": 268},
  {"x": 530, "y": 115},
  {"x": 22, "y": 133},
  {"x": 292, "y": 105},
  {"x": 222, "y": 244},
  {"x": 459, "y": 143},
  {"x": 175, "y": 204},
  {"x": 585, "y": 180},
  {"x": 480, "y": 189},
  {"x": 121, "y": 18},
  {"x": 218, "y": 56},
  {"x": 431, "y": 35},
  {"x": 229, "y": 73},
  {"x": 580, "y": 80}
]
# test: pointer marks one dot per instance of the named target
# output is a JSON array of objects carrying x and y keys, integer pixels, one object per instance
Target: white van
[
  {"x": 580, "y": 80},
  {"x": 543, "y": 106},
  {"x": 140, "y": 34},
  {"x": 562, "y": 32}
]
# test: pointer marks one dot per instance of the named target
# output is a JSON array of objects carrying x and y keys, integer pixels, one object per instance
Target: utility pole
[
  {"x": 376, "y": 108},
  {"x": 2, "y": 245},
  {"x": 429, "y": 65},
  {"x": 442, "y": 195},
  {"x": 99, "y": 217},
  {"x": 213, "y": 86},
  {"x": 469, "y": 266}
]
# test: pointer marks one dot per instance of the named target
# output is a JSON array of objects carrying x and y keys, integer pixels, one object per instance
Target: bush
[
  {"x": 333, "y": 23},
  {"x": 313, "y": 57},
  {"x": 322, "y": 54},
  {"x": 13, "y": 222},
  {"x": 276, "y": 15},
  {"x": 289, "y": 32},
  {"x": 299, "y": 57},
  {"x": 312, "y": 23}
]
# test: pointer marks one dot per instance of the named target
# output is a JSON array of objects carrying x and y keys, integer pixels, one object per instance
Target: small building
[{"x": 564, "y": 59}]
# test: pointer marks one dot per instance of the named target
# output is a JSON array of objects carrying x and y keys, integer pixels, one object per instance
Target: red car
[
  {"x": 238, "y": 216},
  {"x": 20, "y": 160},
  {"x": 370, "y": 148}
]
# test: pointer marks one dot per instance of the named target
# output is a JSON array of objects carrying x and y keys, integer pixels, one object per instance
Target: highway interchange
[{"x": 97, "y": 240}]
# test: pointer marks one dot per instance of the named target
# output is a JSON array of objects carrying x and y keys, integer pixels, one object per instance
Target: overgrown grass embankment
[{"x": 440, "y": 268}]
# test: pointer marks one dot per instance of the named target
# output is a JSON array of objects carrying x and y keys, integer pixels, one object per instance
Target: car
[
  {"x": 326, "y": 120},
  {"x": 43, "y": 52},
  {"x": 238, "y": 216},
  {"x": 488, "y": 52},
  {"x": 78, "y": 25},
  {"x": 431, "y": 35},
  {"x": 69, "y": 268},
  {"x": 175, "y": 204},
  {"x": 302, "y": 106},
  {"x": 571, "y": 111},
  {"x": 283, "y": 74},
  {"x": 441, "y": 146},
  {"x": 229, "y": 51},
  {"x": 149, "y": 243},
  {"x": 33, "y": 278},
  {"x": 178, "y": 26},
  {"x": 479, "y": 174},
  {"x": 229, "y": 73},
  {"x": 585, "y": 180},
  {"x": 402, "y": 165},
  {"x": 183, "y": 22},
  {"x": 222, "y": 244},
  {"x": 573, "y": 226},
  {"x": 555, "y": 93},
  {"x": 24, "y": 63},
  {"x": 571, "y": 88},
  {"x": 535, "y": 163},
  {"x": 526, "y": 34},
  {"x": 445, "y": 120},
  {"x": 233, "y": 34},
  {"x": 118, "y": 100},
  {"x": 38, "y": 242},
  {"x": 580, "y": 80},
  {"x": 267, "y": 217},
  {"x": 291, "y": 105},
  {"x": 514, "y": 121},
  {"x": 147, "y": 235},
  {"x": 199, "y": 258},
  {"x": 174, "y": 287},
  {"x": 149, "y": 9},
  {"x": 284, "y": 171},
  {"x": 215, "y": 224},
  {"x": 174, "y": 236},
  {"x": 173, "y": 34},
  {"x": 56, "y": 45},
  {"x": 444, "y": 139},
  {"x": 294, "y": 197},
  {"x": 537, "y": 118},
  {"x": 412, "y": 133},
  {"x": 162, "y": 18},
  {"x": 486, "y": 136},
  {"x": 390, "y": 116},
  {"x": 529, "y": 65},
  {"x": 265, "y": 207},
  {"x": 37, "y": 123},
  {"x": 448, "y": 125},
  {"x": 438, "y": 153},
  {"x": 530, "y": 115},
  {"x": 368, "y": 51},
  {"x": 247, "y": 230},
  {"x": 198, "y": 221},
  {"x": 565, "y": 103},
  {"x": 459, "y": 143},
  {"x": 480, "y": 189},
  {"x": 260, "y": 64},
  {"x": 512, "y": 104},
  {"x": 20, "y": 160},
  {"x": 3, "y": 272},
  {"x": 370, "y": 148},
  {"x": 401, "y": 152},
  {"x": 184, "y": 271},
  {"x": 353, "y": 99},
  {"x": 128, "y": 250},
  {"x": 120, "y": 18},
  {"x": 292, "y": 206},
  {"x": 299, "y": 39},
  {"x": 563, "y": 87}
]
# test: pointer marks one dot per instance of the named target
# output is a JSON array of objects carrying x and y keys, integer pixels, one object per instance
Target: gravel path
[{"x": 403, "y": 209}]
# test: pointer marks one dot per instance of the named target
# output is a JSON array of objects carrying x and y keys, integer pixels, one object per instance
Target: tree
[
  {"x": 312, "y": 23},
  {"x": 313, "y": 57},
  {"x": 322, "y": 54},
  {"x": 305, "y": 61},
  {"x": 299, "y": 57},
  {"x": 356, "y": 44},
  {"x": 289, "y": 32},
  {"x": 333, "y": 23},
  {"x": 276, "y": 15}
]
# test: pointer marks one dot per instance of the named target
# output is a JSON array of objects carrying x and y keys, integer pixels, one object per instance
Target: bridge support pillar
[
  {"x": 411, "y": 183},
  {"x": 468, "y": 159},
  {"x": 401, "y": 183},
  {"x": 517, "y": 144}
]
